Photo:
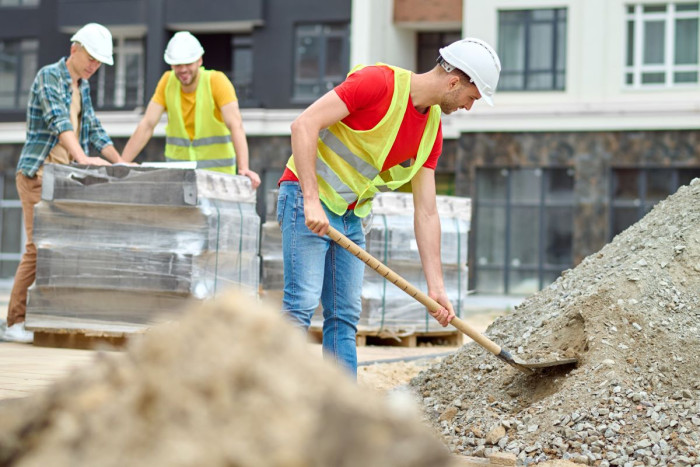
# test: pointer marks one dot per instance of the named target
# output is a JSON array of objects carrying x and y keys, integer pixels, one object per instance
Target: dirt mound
[
  {"x": 231, "y": 384},
  {"x": 631, "y": 314}
]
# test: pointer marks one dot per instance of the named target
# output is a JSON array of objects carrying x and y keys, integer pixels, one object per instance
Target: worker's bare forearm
[
  {"x": 136, "y": 143},
  {"x": 428, "y": 235},
  {"x": 304, "y": 140},
  {"x": 240, "y": 145},
  {"x": 111, "y": 154},
  {"x": 69, "y": 141}
]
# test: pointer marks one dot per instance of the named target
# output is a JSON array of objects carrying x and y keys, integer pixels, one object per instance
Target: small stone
[
  {"x": 496, "y": 434},
  {"x": 448, "y": 414},
  {"x": 502, "y": 458}
]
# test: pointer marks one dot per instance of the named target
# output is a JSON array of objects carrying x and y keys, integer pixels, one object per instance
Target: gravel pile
[{"x": 631, "y": 314}]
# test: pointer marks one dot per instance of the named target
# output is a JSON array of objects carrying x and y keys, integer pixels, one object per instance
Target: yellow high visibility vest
[
  {"x": 211, "y": 147},
  {"x": 349, "y": 162}
]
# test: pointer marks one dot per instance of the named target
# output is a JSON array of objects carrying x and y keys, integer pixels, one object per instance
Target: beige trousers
[{"x": 29, "y": 190}]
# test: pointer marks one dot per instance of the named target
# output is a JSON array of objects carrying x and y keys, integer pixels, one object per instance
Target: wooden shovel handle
[{"x": 407, "y": 287}]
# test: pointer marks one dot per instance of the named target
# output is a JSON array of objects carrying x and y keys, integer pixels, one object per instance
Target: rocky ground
[{"x": 631, "y": 315}]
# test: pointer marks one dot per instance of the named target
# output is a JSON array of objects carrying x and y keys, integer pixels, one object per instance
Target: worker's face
[
  {"x": 187, "y": 73},
  {"x": 82, "y": 63},
  {"x": 459, "y": 95}
]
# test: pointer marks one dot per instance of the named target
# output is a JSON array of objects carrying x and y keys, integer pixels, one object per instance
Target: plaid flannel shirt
[{"x": 48, "y": 115}]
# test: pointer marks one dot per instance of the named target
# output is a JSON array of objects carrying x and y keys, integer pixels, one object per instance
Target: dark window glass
[
  {"x": 321, "y": 59},
  {"x": 11, "y": 226},
  {"x": 242, "y": 69},
  {"x": 524, "y": 228},
  {"x": 635, "y": 191},
  {"x": 429, "y": 44},
  {"x": 18, "y": 66},
  {"x": 532, "y": 49}
]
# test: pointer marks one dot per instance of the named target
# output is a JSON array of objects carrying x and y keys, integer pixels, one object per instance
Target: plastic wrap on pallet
[
  {"x": 271, "y": 246},
  {"x": 199, "y": 276},
  {"x": 119, "y": 247},
  {"x": 385, "y": 306},
  {"x": 135, "y": 185},
  {"x": 211, "y": 226},
  {"x": 392, "y": 237},
  {"x": 271, "y": 205},
  {"x": 392, "y": 241}
]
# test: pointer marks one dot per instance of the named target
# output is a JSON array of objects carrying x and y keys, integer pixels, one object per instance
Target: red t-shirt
[{"x": 367, "y": 94}]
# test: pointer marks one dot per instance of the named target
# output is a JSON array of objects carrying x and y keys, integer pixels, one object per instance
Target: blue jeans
[{"x": 318, "y": 268}]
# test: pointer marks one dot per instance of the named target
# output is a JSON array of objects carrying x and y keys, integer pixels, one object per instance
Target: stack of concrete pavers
[
  {"x": 272, "y": 280},
  {"x": 121, "y": 248},
  {"x": 392, "y": 241}
]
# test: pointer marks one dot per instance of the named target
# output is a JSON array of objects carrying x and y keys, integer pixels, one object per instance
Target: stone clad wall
[{"x": 590, "y": 154}]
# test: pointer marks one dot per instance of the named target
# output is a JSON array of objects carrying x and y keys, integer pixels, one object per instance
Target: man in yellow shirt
[{"x": 204, "y": 121}]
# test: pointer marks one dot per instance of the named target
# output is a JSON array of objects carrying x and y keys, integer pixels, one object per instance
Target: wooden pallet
[
  {"x": 365, "y": 337},
  {"x": 78, "y": 340}
]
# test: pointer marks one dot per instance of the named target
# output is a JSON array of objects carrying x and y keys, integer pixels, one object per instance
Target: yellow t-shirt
[{"x": 221, "y": 88}]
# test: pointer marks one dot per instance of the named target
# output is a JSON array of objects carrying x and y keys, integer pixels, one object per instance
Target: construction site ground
[{"x": 28, "y": 368}]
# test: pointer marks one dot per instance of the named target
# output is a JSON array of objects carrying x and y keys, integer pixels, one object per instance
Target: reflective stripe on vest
[
  {"x": 208, "y": 164},
  {"x": 197, "y": 142},
  {"x": 211, "y": 146}
]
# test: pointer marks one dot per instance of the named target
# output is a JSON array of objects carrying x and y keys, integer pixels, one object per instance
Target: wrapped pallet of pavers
[{"x": 121, "y": 248}]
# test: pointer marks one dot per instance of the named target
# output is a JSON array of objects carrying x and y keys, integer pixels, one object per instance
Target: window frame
[
  {"x": 324, "y": 82},
  {"x": 21, "y": 4},
  {"x": 25, "y": 47},
  {"x": 13, "y": 203},
  {"x": 642, "y": 204},
  {"x": 637, "y": 19},
  {"x": 543, "y": 205},
  {"x": 560, "y": 15},
  {"x": 120, "y": 51}
]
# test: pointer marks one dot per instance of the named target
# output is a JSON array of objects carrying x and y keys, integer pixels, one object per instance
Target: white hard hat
[
  {"x": 97, "y": 40},
  {"x": 478, "y": 60},
  {"x": 182, "y": 49}
]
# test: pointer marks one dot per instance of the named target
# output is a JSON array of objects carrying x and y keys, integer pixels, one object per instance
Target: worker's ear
[{"x": 453, "y": 81}]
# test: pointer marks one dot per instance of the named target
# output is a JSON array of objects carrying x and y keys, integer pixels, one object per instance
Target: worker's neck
[
  {"x": 423, "y": 91},
  {"x": 74, "y": 75}
]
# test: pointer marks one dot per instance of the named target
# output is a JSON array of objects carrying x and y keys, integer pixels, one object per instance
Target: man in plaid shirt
[{"x": 61, "y": 126}]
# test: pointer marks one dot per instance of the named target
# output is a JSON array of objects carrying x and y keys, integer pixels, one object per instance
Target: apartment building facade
[{"x": 595, "y": 121}]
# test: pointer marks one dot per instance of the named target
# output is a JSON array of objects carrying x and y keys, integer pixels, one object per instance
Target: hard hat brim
[
  {"x": 185, "y": 61},
  {"x": 107, "y": 60}
]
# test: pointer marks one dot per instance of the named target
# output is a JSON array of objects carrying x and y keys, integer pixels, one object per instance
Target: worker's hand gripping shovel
[{"x": 431, "y": 304}]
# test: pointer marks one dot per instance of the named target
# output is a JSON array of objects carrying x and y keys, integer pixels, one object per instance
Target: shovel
[{"x": 403, "y": 284}]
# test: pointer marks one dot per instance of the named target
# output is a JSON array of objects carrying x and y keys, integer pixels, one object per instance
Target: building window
[
  {"x": 18, "y": 66},
  {"x": 12, "y": 3},
  {"x": 242, "y": 69},
  {"x": 12, "y": 236},
  {"x": 320, "y": 59},
  {"x": 635, "y": 191},
  {"x": 429, "y": 44},
  {"x": 662, "y": 45},
  {"x": 524, "y": 229},
  {"x": 532, "y": 49},
  {"x": 121, "y": 86}
]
